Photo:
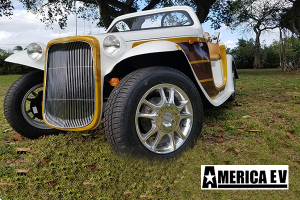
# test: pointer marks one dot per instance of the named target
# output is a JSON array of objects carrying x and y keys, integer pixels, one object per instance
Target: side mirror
[{"x": 215, "y": 38}]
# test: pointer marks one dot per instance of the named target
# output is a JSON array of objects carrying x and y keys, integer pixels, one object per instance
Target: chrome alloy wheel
[
  {"x": 32, "y": 107},
  {"x": 164, "y": 118}
]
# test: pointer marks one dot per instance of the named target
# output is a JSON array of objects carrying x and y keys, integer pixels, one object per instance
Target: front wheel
[
  {"x": 155, "y": 111},
  {"x": 23, "y": 106}
]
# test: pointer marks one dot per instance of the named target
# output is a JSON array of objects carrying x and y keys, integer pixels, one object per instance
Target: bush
[{"x": 7, "y": 68}]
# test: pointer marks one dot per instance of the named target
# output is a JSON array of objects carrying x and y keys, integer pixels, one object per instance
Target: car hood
[{"x": 156, "y": 33}]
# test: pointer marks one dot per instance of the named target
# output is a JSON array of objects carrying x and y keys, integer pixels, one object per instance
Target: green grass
[{"x": 262, "y": 127}]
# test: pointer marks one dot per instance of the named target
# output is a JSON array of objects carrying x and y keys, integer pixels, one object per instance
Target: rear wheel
[
  {"x": 154, "y": 111},
  {"x": 23, "y": 106}
]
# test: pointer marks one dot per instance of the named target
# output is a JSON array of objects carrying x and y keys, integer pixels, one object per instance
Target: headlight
[
  {"x": 111, "y": 45},
  {"x": 34, "y": 51}
]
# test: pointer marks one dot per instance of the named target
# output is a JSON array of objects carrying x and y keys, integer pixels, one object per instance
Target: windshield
[{"x": 158, "y": 20}]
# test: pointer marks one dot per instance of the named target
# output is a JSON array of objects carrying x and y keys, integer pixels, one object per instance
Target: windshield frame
[{"x": 150, "y": 28}]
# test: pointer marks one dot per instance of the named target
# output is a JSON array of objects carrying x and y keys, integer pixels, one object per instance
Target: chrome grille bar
[{"x": 70, "y": 85}]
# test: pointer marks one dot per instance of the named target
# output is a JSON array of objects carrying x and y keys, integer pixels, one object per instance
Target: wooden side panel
[{"x": 198, "y": 56}]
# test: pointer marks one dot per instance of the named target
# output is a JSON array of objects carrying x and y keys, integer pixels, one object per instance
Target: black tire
[
  {"x": 25, "y": 116},
  {"x": 126, "y": 126},
  {"x": 232, "y": 97}
]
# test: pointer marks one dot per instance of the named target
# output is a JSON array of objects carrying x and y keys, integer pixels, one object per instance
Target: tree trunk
[
  {"x": 106, "y": 7},
  {"x": 103, "y": 9},
  {"x": 283, "y": 64},
  {"x": 257, "y": 64},
  {"x": 203, "y": 8},
  {"x": 280, "y": 49},
  {"x": 291, "y": 19}
]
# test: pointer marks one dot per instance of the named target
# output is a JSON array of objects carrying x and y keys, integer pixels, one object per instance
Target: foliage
[
  {"x": 220, "y": 13},
  {"x": 104, "y": 11},
  {"x": 18, "y": 48},
  {"x": 290, "y": 17},
  {"x": 100, "y": 11},
  {"x": 6, "y": 8},
  {"x": 292, "y": 48},
  {"x": 243, "y": 54},
  {"x": 257, "y": 16},
  {"x": 11, "y": 68},
  {"x": 270, "y": 55}
]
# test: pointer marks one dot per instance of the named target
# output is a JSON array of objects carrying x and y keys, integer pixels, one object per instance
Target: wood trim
[{"x": 199, "y": 61}]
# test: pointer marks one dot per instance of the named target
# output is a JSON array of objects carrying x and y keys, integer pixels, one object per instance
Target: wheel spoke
[
  {"x": 157, "y": 140},
  {"x": 29, "y": 99},
  {"x": 155, "y": 108},
  {"x": 152, "y": 131},
  {"x": 34, "y": 94},
  {"x": 28, "y": 111},
  {"x": 149, "y": 116},
  {"x": 185, "y": 116},
  {"x": 182, "y": 105},
  {"x": 171, "y": 95},
  {"x": 178, "y": 130},
  {"x": 163, "y": 96},
  {"x": 172, "y": 138}
]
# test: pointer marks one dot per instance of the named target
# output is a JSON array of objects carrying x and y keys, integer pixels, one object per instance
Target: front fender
[
  {"x": 142, "y": 49},
  {"x": 152, "y": 47},
  {"x": 23, "y": 59}
]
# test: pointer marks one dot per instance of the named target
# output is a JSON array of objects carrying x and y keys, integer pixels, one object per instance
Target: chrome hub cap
[
  {"x": 168, "y": 118},
  {"x": 164, "y": 118}
]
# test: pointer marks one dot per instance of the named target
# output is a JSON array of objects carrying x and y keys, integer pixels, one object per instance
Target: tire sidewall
[{"x": 13, "y": 102}]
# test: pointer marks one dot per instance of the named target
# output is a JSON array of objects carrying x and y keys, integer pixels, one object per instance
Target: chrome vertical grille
[{"x": 70, "y": 85}]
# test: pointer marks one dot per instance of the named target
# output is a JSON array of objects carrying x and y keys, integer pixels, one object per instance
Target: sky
[{"x": 22, "y": 28}]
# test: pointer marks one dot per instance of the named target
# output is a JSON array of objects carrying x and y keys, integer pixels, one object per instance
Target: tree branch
[
  {"x": 267, "y": 28},
  {"x": 152, "y": 4},
  {"x": 90, "y": 1},
  {"x": 129, "y": 2},
  {"x": 123, "y": 6},
  {"x": 203, "y": 9},
  {"x": 103, "y": 9}
]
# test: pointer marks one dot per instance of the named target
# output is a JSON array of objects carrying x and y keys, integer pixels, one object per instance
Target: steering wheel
[{"x": 175, "y": 19}]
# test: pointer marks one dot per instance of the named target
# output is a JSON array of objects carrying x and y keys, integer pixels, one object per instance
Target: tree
[
  {"x": 270, "y": 55},
  {"x": 243, "y": 53},
  {"x": 291, "y": 17},
  {"x": 102, "y": 11},
  {"x": 289, "y": 51},
  {"x": 220, "y": 13},
  {"x": 18, "y": 48},
  {"x": 6, "y": 8},
  {"x": 258, "y": 16}
]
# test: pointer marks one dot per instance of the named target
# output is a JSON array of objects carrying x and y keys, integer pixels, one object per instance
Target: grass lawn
[{"x": 262, "y": 127}]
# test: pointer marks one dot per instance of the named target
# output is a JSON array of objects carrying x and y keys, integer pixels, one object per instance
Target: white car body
[{"x": 157, "y": 42}]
